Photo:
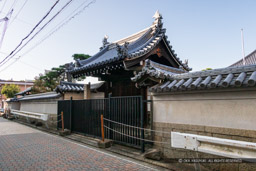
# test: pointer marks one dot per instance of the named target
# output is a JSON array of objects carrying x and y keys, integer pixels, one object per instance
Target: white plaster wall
[
  {"x": 14, "y": 105},
  {"x": 235, "y": 109},
  {"x": 39, "y": 107}
]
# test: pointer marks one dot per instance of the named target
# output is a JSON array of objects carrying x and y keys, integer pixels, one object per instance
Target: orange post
[
  {"x": 62, "y": 121},
  {"x": 102, "y": 127}
]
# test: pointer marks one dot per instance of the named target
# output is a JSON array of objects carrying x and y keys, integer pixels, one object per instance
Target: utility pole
[
  {"x": 6, "y": 20},
  {"x": 242, "y": 39}
]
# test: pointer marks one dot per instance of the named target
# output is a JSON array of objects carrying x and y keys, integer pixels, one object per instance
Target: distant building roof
[
  {"x": 127, "y": 49},
  {"x": 249, "y": 60},
  {"x": 230, "y": 77},
  {"x": 17, "y": 82}
]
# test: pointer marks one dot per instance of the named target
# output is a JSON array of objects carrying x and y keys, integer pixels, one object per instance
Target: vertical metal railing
[
  {"x": 142, "y": 125},
  {"x": 83, "y": 116},
  {"x": 70, "y": 117}
]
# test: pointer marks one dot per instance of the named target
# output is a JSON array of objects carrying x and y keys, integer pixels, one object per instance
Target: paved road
[{"x": 24, "y": 148}]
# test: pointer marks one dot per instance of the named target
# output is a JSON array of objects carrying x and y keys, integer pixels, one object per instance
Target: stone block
[
  {"x": 247, "y": 166},
  {"x": 106, "y": 144},
  {"x": 167, "y": 129},
  {"x": 167, "y": 135},
  {"x": 231, "y": 131},
  {"x": 191, "y": 132},
  {"x": 229, "y": 166},
  {"x": 157, "y": 138},
  {"x": 65, "y": 132},
  {"x": 211, "y": 166},
  {"x": 154, "y": 154},
  {"x": 247, "y": 139},
  {"x": 205, "y": 134},
  {"x": 178, "y": 130}
]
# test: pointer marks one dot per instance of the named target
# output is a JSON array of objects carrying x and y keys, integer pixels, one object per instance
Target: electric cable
[
  {"x": 3, "y": 6},
  {"x": 49, "y": 21},
  {"x": 19, "y": 12},
  {"x": 30, "y": 32},
  {"x": 60, "y": 25},
  {"x": 72, "y": 17},
  {"x": 12, "y": 6},
  {"x": 6, "y": 21}
]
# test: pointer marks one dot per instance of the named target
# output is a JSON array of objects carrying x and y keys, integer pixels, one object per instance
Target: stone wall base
[
  {"x": 174, "y": 153},
  {"x": 51, "y": 123}
]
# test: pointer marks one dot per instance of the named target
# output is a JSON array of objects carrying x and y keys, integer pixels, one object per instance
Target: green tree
[
  {"x": 49, "y": 81},
  {"x": 77, "y": 56},
  {"x": 10, "y": 90},
  {"x": 206, "y": 69}
]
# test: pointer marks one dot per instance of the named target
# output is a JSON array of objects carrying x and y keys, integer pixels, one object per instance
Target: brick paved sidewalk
[{"x": 30, "y": 149}]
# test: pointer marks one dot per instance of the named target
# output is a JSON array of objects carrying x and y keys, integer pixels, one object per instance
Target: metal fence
[{"x": 83, "y": 116}]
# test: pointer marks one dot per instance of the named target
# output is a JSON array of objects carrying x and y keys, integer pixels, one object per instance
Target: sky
[{"x": 207, "y": 33}]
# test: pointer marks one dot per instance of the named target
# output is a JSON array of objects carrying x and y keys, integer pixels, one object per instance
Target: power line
[
  {"x": 30, "y": 32},
  {"x": 3, "y": 6},
  {"x": 21, "y": 20},
  {"x": 10, "y": 56},
  {"x": 16, "y": 59},
  {"x": 61, "y": 24},
  {"x": 14, "y": 3},
  {"x": 19, "y": 11},
  {"x": 29, "y": 65},
  {"x": 6, "y": 21}
]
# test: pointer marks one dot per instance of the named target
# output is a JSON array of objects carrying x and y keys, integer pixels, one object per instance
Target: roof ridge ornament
[
  {"x": 104, "y": 42},
  {"x": 158, "y": 24},
  {"x": 122, "y": 51}
]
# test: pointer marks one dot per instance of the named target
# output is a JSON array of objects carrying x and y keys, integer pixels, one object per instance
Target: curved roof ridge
[
  {"x": 135, "y": 35},
  {"x": 69, "y": 83},
  {"x": 165, "y": 67},
  {"x": 85, "y": 61}
]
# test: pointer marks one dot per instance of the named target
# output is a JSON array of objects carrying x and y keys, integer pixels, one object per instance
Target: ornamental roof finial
[
  {"x": 157, "y": 15},
  {"x": 158, "y": 22},
  {"x": 122, "y": 51},
  {"x": 104, "y": 42}
]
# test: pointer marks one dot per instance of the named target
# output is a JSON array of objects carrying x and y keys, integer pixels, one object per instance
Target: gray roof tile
[
  {"x": 49, "y": 95},
  {"x": 75, "y": 87},
  {"x": 157, "y": 70},
  {"x": 140, "y": 44},
  {"x": 232, "y": 77},
  {"x": 22, "y": 93}
]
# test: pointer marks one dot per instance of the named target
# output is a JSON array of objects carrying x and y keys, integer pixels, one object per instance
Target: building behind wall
[
  {"x": 23, "y": 85},
  {"x": 47, "y": 103},
  {"x": 217, "y": 103},
  {"x": 248, "y": 60}
]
